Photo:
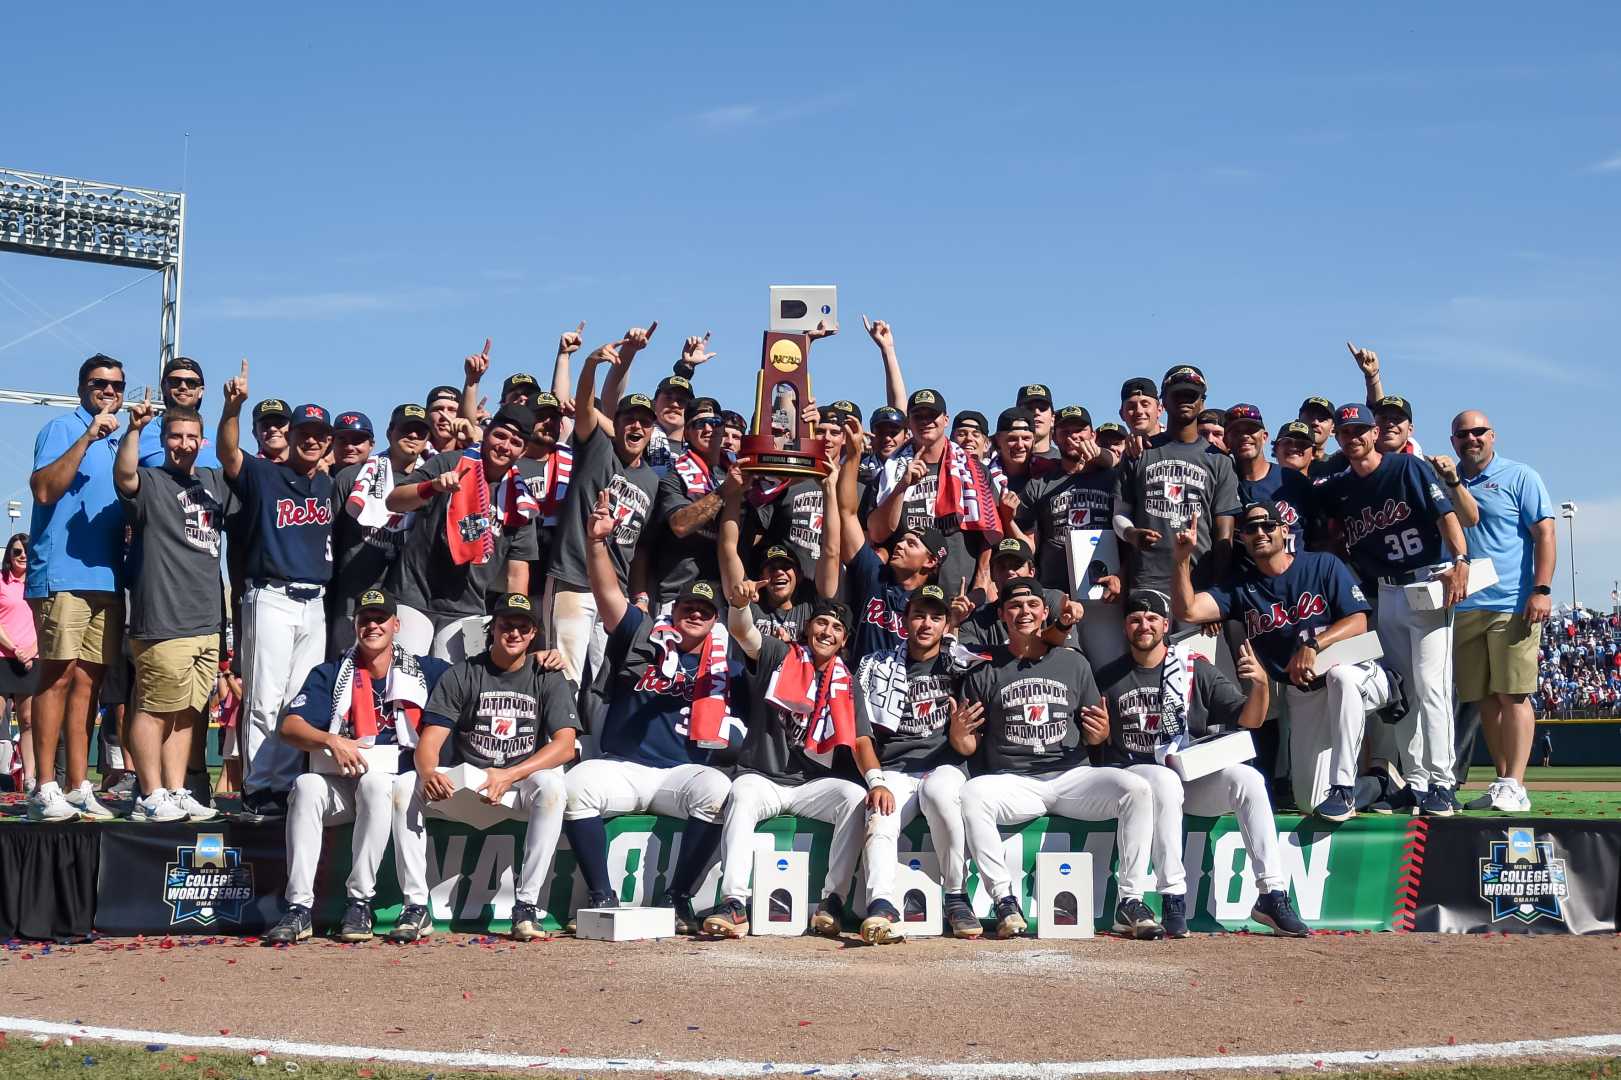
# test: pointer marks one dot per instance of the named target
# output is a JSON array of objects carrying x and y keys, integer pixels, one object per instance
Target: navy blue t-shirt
[
  {"x": 313, "y": 703},
  {"x": 1294, "y": 495},
  {"x": 1316, "y": 592},
  {"x": 1390, "y": 515},
  {"x": 877, "y": 603},
  {"x": 287, "y": 523},
  {"x": 647, "y": 713}
]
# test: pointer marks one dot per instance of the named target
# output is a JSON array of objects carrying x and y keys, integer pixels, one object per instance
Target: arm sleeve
[
  {"x": 1224, "y": 595},
  {"x": 249, "y": 475},
  {"x": 52, "y": 441},
  {"x": 1222, "y": 701},
  {"x": 1224, "y": 495},
  {"x": 865, "y": 577},
  {"x": 672, "y": 496},
  {"x": 444, "y": 706},
  {"x": 1535, "y": 505},
  {"x": 313, "y": 702},
  {"x": 1425, "y": 486},
  {"x": 557, "y": 694},
  {"x": 623, "y": 637}
]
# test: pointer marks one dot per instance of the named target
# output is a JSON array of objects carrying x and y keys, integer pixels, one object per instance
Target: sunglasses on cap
[
  {"x": 1471, "y": 433},
  {"x": 1250, "y": 528}
]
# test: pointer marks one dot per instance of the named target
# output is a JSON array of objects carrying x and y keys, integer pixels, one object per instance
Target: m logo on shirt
[{"x": 293, "y": 513}]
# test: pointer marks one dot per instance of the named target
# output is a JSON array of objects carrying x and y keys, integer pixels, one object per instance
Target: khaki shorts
[
  {"x": 175, "y": 675},
  {"x": 1494, "y": 652},
  {"x": 86, "y": 626}
]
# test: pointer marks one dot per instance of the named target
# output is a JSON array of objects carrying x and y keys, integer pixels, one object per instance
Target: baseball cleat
[
  {"x": 526, "y": 922},
  {"x": 84, "y": 801},
  {"x": 829, "y": 918},
  {"x": 1274, "y": 910},
  {"x": 293, "y": 927},
  {"x": 357, "y": 921},
  {"x": 413, "y": 924},
  {"x": 1133, "y": 918},
  {"x": 730, "y": 920},
  {"x": 1339, "y": 806},
  {"x": 960, "y": 918},
  {"x": 1009, "y": 919},
  {"x": 1174, "y": 915},
  {"x": 1436, "y": 802},
  {"x": 686, "y": 919},
  {"x": 882, "y": 926}
]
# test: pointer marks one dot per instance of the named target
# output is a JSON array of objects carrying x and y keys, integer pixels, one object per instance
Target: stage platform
[{"x": 1471, "y": 874}]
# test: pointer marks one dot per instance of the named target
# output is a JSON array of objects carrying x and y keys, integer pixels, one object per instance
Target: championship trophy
[{"x": 784, "y": 374}]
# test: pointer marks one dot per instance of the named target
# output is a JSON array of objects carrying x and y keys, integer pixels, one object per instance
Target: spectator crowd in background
[{"x": 1579, "y": 667}]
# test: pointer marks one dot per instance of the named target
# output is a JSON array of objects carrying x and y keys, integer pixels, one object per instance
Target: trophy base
[{"x": 760, "y": 455}]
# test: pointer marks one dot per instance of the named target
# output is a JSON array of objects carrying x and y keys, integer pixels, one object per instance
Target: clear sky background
[{"x": 1030, "y": 192}]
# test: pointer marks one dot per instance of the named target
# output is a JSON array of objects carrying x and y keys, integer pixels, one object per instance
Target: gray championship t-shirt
[
  {"x": 679, "y": 561},
  {"x": 1053, "y": 505},
  {"x": 1162, "y": 490},
  {"x": 985, "y": 626},
  {"x": 775, "y": 745},
  {"x": 361, "y": 554},
  {"x": 177, "y": 520},
  {"x": 922, "y": 707},
  {"x": 498, "y": 718},
  {"x": 794, "y": 520},
  {"x": 1032, "y": 711},
  {"x": 1137, "y": 723},
  {"x": 631, "y": 493}
]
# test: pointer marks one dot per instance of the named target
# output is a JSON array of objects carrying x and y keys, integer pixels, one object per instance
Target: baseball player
[
  {"x": 511, "y": 714},
  {"x": 983, "y": 626},
  {"x": 1261, "y": 480},
  {"x": 1293, "y": 606},
  {"x": 372, "y": 696},
  {"x": 1397, "y": 520},
  {"x": 1029, "y": 712},
  {"x": 1155, "y": 700},
  {"x": 907, "y": 693},
  {"x": 690, "y": 497},
  {"x": 660, "y": 672}
]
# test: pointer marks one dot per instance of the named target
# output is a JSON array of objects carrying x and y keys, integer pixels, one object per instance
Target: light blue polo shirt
[
  {"x": 1511, "y": 498},
  {"x": 153, "y": 455},
  {"x": 77, "y": 543}
]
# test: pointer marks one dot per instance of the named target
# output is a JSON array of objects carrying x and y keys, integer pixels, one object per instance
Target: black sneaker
[
  {"x": 1273, "y": 909},
  {"x": 882, "y": 926},
  {"x": 1339, "y": 806},
  {"x": 960, "y": 917},
  {"x": 594, "y": 900},
  {"x": 686, "y": 919},
  {"x": 1133, "y": 919},
  {"x": 829, "y": 918},
  {"x": 526, "y": 922},
  {"x": 1400, "y": 801},
  {"x": 1437, "y": 802},
  {"x": 730, "y": 920},
  {"x": 357, "y": 922},
  {"x": 1174, "y": 915},
  {"x": 414, "y": 924},
  {"x": 1009, "y": 919},
  {"x": 293, "y": 928}
]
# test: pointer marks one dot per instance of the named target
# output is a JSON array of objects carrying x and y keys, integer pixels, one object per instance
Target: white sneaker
[
  {"x": 190, "y": 807},
  {"x": 84, "y": 801},
  {"x": 158, "y": 806},
  {"x": 47, "y": 804},
  {"x": 1514, "y": 798},
  {"x": 1489, "y": 800}
]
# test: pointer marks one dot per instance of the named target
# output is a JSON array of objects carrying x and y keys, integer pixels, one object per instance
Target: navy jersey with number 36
[{"x": 1391, "y": 515}]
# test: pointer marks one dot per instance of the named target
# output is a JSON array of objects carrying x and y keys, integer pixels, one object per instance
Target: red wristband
[{"x": 425, "y": 490}]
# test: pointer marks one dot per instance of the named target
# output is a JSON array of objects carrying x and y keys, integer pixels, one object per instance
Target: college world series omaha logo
[
  {"x": 1522, "y": 879},
  {"x": 207, "y": 882}
]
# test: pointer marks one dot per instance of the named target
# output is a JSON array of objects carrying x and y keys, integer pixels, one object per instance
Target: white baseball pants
[
  {"x": 1084, "y": 793},
  {"x": 574, "y": 629},
  {"x": 319, "y": 800},
  {"x": 1419, "y": 645},
  {"x": 755, "y": 798},
  {"x": 604, "y": 787},
  {"x": 1238, "y": 789},
  {"x": 540, "y": 794},
  {"x": 937, "y": 794},
  {"x": 282, "y": 638},
  {"x": 1326, "y": 727}
]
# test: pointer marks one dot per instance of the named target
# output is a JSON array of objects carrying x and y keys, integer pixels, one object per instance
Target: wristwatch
[
  {"x": 1542, "y": 590},
  {"x": 1310, "y": 641}
]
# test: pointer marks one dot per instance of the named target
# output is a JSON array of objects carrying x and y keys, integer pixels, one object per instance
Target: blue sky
[{"x": 1026, "y": 192}]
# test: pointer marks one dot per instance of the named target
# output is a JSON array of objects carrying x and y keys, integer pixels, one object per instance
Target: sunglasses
[
  {"x": 106, "y": 384},
  {"x": 185, "y": 384},
  {"x": 1250, "y": 528},
  {"x": 1471, "y": 433},
  {"x": 16, "y": 553}
]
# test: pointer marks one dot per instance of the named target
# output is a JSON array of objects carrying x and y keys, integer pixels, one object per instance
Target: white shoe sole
[{"x": 881, "y": 931}]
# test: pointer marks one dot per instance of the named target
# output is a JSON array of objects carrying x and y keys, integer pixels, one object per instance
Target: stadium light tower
[
  {"x": 89, "y": 221},
  {"x": 1567, "y": 510}
]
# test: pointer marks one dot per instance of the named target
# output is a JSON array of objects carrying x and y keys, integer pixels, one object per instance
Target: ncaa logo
[
  {"x": 782, "y": 864},
  {"x": 913, "y": 864},
  {"x": 1064, "y": 869}
]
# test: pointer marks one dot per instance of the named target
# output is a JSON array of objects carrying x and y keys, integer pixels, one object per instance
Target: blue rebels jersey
[
  {"x": 1293, "y": 493},
  {"x": 1391, "y": 516},
  {"x": 1316, "y": 592},
  {"x": 647, "y": 712},
  {"x": 288, "y": 533},
  {"x": 878, "y": 605}
]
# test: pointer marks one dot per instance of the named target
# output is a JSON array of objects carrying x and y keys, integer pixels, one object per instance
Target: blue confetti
[
  {"x": 88, "y": 1061},
  {"x": 156, "y": 1048}
]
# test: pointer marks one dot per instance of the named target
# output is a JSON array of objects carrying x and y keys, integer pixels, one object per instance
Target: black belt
[
  {"x": 1409, "y": 577},
  {"x": 294, "y": 590}
]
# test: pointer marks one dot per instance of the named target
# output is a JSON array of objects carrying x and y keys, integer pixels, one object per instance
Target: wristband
[
  {"x": 874, "y": 778},
  {"x": 425, "y": 490}
]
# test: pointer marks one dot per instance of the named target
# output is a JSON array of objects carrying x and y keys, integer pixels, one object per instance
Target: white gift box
[
  {"x": 780, "y": 904},
  {"x": 467, "y": 805},
  {"x": 1353, "y": 650},
  {"x": 379, "y": 759},
  {"x": 624, "y": 923},
  {"x": 1211, "y": 754},
  {"x": 1092, "y": 553},
  {"x": 1064, "y": 894},
  {"x": 917, "y": 883},
  {"x": 1430, "y": 595}
]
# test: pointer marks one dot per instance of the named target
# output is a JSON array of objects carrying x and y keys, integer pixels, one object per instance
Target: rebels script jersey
[
  {"x": 498, "y": 718},
  {"x": 1316, "y": 592},
  {"x": 288, "y": 523},
  {"x": 1294, "y": 496},
  {"x": 878, "y": 604},
  {"x": 1390, "y": 515},
  {"x": 647, "y": 712},
  {"x": 1032, "y": 711},
  {"x": 1135, "y": 719}
]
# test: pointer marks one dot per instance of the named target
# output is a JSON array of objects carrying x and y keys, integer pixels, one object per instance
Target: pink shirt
[{"x": 16, "y": 618}]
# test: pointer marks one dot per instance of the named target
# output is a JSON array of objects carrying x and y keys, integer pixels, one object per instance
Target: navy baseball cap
[
  {"x": 1353, "y": 415},
  {"x": 929, "y": 401},
  {"x": 888, "y": 414},
  {"x": 1244, "y": 413},
  {"x": 1138, "y": 387},
  {"x": 354, "y": 421},
  {"x": 271, "y": 407},
  {"x": 930, "y": 537},
  {"x": 312, "y": 415},
  {"x": 409, "y": 413}
]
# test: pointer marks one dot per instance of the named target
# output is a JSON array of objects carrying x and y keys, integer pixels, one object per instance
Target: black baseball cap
[
  {"x": 633, "y": 401},
  {"x": 702, "y": 407},
  {"x": 521, "y": 381},
  {"x": 1244, "y": 413},
  {"x": 545, "y": 401},
  {"x": 926, "y": 401},
  {"x": 1317, "y": 405},
  {"x": 1034, "y": 392},
  {"x": 376, "y": 600},
  {"x": 833, "y": 608},
  {"x": 354, "y": 421},
  {"x": 930, "y": 537},
  {"x": 1212, "y": 416},
  {"x": 182, "y": 363},
  {"x": 312, "y": 415},
  {"x": 514, "y": 415},
  {"x": 1015, "y": 419},
  {"x": 970, "y": 418},
  {"x": 674, "y": 384},
  {"x": 848, "y": 407},
  {"x": 832, "y": 414},
  {"x": 1182, "y": 375},
  {"x": 409, "y": 413},
  {"x": 1295, "y": 429},
  {"x": 1394, "y": 403},
  {"x": 888, "y": 414},
  {"x": 1150, "y": 600},
  {"x": 440, "y": 393},
  {"x": 1073, "y": 414},
  {"x": 271, "y": 406},
  {"x": 1112, "y": 430},
  {"x": 1267, "y": 506},
  {"x": 1011, "y": 547},
  {"x": 778, "y": 553},
  {"x": 515, "y": 603},
  {"x": 734, "y": 419},
  {"x": 1138, "y": 387},
  {"x": 702, "y": 592},
  {"x": 929, "y": 594},
  {"x": 1020, "y": 587}
]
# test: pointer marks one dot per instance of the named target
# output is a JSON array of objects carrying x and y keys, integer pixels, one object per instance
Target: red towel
[{"x": 828, "y": 702}]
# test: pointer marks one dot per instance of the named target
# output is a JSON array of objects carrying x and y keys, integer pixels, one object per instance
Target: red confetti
[
  {"x": 230, "y": 961},
  {"x": 1452, "y": 1040},
  {"x": 1221, "y": 1049},
  {"x": 364, "y": 1072},
  {"x": 189, "y": 1059},
  {"x": 804, "y": 1023},
  {"x": 163, "y": 978},
  {"x": 466, "y": 996},
  {"x": 225, "y": 1031}
]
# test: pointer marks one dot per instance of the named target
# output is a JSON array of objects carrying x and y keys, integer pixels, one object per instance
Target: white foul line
[{"x": 1025, "y": 1070}]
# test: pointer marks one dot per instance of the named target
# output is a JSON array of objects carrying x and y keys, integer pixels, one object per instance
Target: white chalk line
[{"x": 1024, "y": 1070}]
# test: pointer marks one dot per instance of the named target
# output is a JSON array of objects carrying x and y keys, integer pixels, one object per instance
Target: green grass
[
  {"x": 1558, "y": 804},
  {"x": 1569, "y": 774}
]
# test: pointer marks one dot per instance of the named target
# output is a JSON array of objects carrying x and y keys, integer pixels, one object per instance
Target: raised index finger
[
  {"x": 652, "y": 326},
  {"x": 486, "y": 352}
]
